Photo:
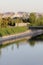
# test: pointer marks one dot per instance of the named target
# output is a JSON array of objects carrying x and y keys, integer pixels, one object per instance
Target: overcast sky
[{"x": 21, "y": 5}]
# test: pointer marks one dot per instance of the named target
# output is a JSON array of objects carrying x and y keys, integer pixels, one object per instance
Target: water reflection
[
  {"x": 30, "y": 42},
  {"x": 27, "y": 52},
  {"x": 12, "y": 47},
  {"x": 0, "y": 52}
]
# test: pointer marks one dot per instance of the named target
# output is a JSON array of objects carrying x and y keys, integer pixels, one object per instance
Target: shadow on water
[
  {"x": 33, "y": 40},
  {"x": 38, "y": 38}
]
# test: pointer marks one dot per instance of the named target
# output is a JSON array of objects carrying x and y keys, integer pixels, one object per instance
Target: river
[{"x": 26, "y": 52}]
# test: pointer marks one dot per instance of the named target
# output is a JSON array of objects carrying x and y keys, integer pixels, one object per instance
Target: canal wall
[
  {"x": 28, "y": 34},
  {"x": 12, "y": 38}
]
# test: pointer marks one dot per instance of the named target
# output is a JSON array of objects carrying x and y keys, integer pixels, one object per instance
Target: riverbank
[{"x": 12, "y": 38}]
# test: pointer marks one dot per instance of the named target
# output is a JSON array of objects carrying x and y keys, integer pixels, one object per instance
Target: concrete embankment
[
  {"x": 28, "y": 34},
  {"x": 15, "y": 37}
]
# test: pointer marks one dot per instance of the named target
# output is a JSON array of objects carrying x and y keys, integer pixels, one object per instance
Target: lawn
[{"x": 11, "y": 30}]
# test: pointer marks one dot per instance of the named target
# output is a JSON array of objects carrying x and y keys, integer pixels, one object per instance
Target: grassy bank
[{"x": 11, "y": 30}]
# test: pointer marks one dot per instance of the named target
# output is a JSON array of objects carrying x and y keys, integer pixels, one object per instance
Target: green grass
[{"x": 11, "y": 30}]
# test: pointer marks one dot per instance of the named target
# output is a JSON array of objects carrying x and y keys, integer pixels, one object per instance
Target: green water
[{"x": 27, "y": 52}]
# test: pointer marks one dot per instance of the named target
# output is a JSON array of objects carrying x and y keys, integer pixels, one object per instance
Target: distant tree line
[
  {"x": 4, "y": 22},
  {"x": 33, "y": 19}
]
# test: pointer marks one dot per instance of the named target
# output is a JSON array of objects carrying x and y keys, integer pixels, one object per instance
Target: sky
[{"x": 21, "y": 5}]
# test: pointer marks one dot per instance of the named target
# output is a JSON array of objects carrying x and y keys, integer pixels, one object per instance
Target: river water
[{"x": 22, "y": 53}]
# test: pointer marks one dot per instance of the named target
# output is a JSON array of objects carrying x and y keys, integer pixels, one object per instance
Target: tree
[
  {"x": 0, "y": 21},
  {"x": 36, "y": 21},
  {"x": 40, "y": 23},
  {"x": 32, "y": 18},
  {"x": 4, "y": 22}
]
